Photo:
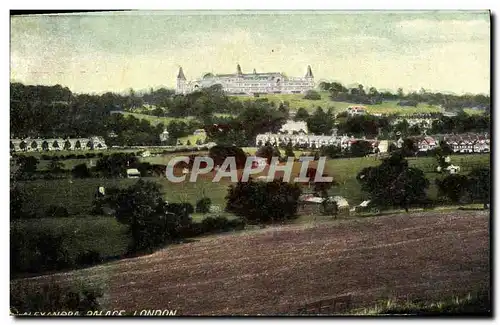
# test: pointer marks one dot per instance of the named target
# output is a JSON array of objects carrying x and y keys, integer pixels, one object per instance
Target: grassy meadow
[
  {"x": 154, "y": 120},
  {"x": 105, "y": 235},
  {"x": 297, "y": 100},
  {"x": 77, "y": 194}
]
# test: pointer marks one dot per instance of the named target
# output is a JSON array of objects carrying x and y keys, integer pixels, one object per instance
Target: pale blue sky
[{"x": 439, "y": 51}]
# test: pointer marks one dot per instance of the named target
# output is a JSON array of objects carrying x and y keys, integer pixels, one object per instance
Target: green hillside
[{"x": 297, "y": 100}]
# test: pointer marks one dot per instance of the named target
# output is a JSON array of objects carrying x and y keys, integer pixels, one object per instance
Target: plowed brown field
[{"x": 428, "y": 255}]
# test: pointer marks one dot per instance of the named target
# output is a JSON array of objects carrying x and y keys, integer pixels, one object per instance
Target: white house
[
  {"x": 133, "y": 173},
  {"x": 298, "y": 126},
  {"x": 57, "y": 144},
  {"x": 356, "y": 110}
]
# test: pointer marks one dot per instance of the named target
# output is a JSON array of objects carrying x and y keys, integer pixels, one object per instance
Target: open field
[
  {"x": 77, "y": 194},
  {"x": 422, "y": 256},
  {"x": 473, "y": 111},
  {"x": 154, "y": 120},
  {"x": 297, "y": 100}
]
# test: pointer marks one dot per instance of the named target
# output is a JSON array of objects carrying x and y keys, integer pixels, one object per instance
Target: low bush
[
  {"x": 30, "y": 297},
  {"x": 88, "y": 258},
  {"x": 271, "y": 201},
  {"x": 37, "y": 252},
  {"x": 81, "y": 171},
  {"x": 211, "y": 225},
  {"x": 312, "y": 95},
  {"x": 203, "y": 205}
]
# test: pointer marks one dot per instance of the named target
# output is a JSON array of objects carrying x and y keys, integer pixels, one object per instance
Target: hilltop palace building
[{"x": 240, "y": 83}]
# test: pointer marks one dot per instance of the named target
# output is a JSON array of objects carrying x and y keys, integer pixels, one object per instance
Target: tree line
[
  {"x": 360, "y": 95},
  {"x": 370, "y": 126}
]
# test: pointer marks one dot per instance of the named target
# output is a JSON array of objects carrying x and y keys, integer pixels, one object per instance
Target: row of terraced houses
[
  {"x": 459, "y": 143},
  {"x": 56, "y": 144}
]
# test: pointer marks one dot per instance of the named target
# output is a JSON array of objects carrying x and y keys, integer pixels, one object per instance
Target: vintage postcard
[{"x": 231, "y": 163}]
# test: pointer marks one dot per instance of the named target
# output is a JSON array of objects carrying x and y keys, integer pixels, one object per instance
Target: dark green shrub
[
  {"x": 30, "y": 297},
  {"x": 37, "y": 252},
  {"x": 312, "y": 95},
  {"x": 81, "y": 171},
  {"x": 271, "y": 201},
  {"x": 88, "y": 258},
  {"x": 453, "y": 186},
  {"x": 203, "y": 205}
]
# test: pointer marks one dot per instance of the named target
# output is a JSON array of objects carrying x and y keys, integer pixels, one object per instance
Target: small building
[
  {"x": 313, "y": 205},
  {"x": 259, "y": 162},
  {"x": 298, "y": 126},
  {"x": 356, "y": 110},
  {"x": 133, "y": 173},
  {"x": 164, "y": 136},
  {"x": 424, "y": 143},
  {"x": 199, "y": 132}
]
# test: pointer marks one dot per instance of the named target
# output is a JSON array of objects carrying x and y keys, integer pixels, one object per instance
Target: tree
[
  {"x": 55, "y": 166},
  {"x": 312, "y": 95},
  {"x": 81, "y": 171},
  {"x": 115, "y": 165},
  {"x": 268, "y": 152},
  {"x": 289, "y": 150},
  {"x": 331, "y": 151},
  {"x": 22, "y": 146},
  {"x": 329, "y": 207},
  {"x": 321, "y": 122},
  {"x": 55, "y": 144},
  {"x": 220, "y": 153},
  {"x": 17, "y": 201},
  {"x": 203, "y": 205},
  {"x": 141, "y": 207},
  {"x": 410, "y": 147},
  {"x": 271, "y": 201},
  {"x": 361, "y": 148},
  {"x": 157, "y": 112},
  {"x": 26, "y": 164},
  {"x": 301, "y": 115},
  {"x": 414, "y": 130},
  {"x": 34, "y": 145},
  {"x": 393, "y": 183},
  {"x": 78, "y": 145},
  {"x": 453, "y": 186},
  {"x": 67, "y": 145},
  {"x": 479, "y": 185}
]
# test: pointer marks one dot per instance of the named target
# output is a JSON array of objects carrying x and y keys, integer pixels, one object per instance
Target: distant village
[{"x": 295, "y": 133}]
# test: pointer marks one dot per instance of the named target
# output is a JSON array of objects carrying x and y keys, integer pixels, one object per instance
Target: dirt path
[{"x": 420, "y": 256}]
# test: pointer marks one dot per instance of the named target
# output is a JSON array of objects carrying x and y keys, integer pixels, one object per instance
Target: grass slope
[
  {"x": 421, "y": 256},
  {"x": 77, "y": 194},
  {"x": 297, "y": 100}
]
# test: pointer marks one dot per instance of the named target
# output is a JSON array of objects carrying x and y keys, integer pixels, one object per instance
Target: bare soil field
[{"x": 419, "y": 256}]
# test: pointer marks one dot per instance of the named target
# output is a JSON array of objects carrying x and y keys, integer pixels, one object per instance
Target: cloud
[{"x": 443, "y": 30}]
